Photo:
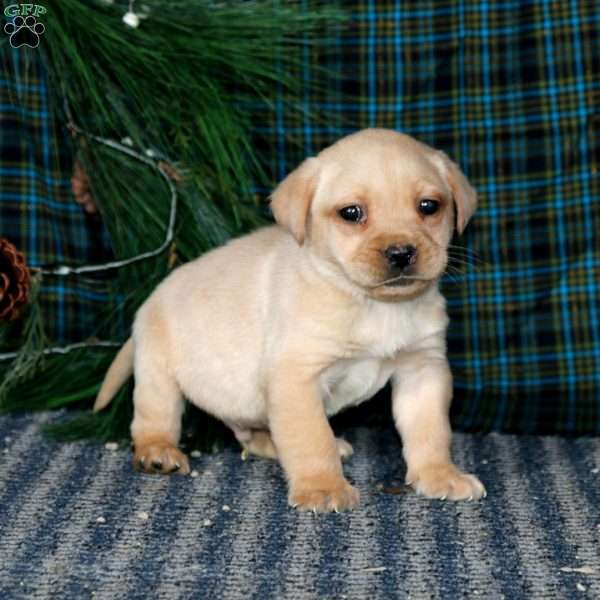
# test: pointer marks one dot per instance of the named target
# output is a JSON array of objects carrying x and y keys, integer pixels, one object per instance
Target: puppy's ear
[
  {"x": 290, "y": 202},
  {"x": 465, "y": 197}
]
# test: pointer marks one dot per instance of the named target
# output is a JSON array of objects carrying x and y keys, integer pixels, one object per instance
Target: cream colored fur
[{"x": 281, "y": 328}]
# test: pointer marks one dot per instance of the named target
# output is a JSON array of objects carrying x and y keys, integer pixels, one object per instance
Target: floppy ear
[
  {"x": 290, "y": 202},
  {"x": 465, "y": 197}
]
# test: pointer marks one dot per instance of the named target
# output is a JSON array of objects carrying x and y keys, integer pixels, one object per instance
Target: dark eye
[
  {"x": 352, "y": 214},
  {"x": 428, "y": 206}
]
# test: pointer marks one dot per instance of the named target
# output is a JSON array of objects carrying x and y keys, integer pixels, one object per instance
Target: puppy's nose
[{"x": 400, "y": 257}]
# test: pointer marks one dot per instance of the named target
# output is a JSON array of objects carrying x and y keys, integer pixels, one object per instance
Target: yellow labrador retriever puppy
[{"x": 280, "y": 329}]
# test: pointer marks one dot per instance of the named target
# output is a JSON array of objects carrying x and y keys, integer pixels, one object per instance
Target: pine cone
[
  {"x": 15, "y": 281},
  {"x": 80, "y": 183}
]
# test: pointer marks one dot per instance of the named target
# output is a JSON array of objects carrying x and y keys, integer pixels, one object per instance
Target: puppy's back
[{"x": 211, "y": 317}]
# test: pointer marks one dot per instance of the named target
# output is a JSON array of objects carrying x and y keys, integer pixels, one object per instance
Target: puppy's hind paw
[
  {"x": 160, "y": 457},
  {"x": 445, "y": 482},
  {"x": 345, "y": 449}
]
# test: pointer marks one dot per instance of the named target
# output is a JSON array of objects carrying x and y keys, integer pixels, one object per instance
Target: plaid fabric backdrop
[
  {"x": 37, "y": 210},
  {"x": 505, "y": 88},
  {"x": 509, "y": 90}
]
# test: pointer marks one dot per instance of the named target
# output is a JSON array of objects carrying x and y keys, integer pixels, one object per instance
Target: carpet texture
[{"x": 77, "y": 522}]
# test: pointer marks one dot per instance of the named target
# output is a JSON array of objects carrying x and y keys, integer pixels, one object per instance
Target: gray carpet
[{"x": 77, "y": 522}]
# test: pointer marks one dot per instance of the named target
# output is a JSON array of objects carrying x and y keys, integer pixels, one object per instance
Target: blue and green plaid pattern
[
  {"x": 511, "y": 92},
  {"x": 38, "y": 212}
]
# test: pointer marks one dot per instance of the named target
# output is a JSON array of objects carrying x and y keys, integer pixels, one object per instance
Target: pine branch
[{"x": 176, "y": 85}]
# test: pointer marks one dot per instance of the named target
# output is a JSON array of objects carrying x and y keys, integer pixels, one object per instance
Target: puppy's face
[{"x": 380, "y": 208}]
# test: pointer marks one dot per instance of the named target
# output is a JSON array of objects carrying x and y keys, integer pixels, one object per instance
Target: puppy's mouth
[{"x": 402, "y": 281}]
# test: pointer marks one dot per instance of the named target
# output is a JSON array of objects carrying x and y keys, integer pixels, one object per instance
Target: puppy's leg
[
  {"x": 345, "y": 449},
  {"x": 305, "y": 443},
  {"x": 158, "y": 406},
  {"x": 422, "y": 389},
  {"x": 261, "y": 444}
]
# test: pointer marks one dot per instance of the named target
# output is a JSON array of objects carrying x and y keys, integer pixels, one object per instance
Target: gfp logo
[{"x": 24, "y": 29}]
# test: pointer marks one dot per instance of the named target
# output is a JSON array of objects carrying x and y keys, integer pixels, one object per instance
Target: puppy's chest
[
  {"x": 384, "y": 330},
  {"x": 350, "y": 382},
  {"x": 374, "y": 341}
]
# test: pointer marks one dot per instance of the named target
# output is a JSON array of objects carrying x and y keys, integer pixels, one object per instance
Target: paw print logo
[{"x": 24, "y": 31}]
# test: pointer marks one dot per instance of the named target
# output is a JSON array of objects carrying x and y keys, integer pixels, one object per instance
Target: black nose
[{"x": 400, "y": 257}]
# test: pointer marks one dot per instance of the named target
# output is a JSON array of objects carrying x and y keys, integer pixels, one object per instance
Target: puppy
[{"x": 283, "y": 327}]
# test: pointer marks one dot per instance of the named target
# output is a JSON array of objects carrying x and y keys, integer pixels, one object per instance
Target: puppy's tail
[{"x": 119, "y": 371}]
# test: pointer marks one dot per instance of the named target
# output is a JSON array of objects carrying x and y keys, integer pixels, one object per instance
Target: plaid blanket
[
  {"x": 38, "y": 212},
  {"x": 508, "y": 90},
  {"x": 505, "y": 88}
]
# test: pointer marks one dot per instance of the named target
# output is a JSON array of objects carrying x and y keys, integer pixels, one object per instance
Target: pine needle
[{"x": 176, "y": 86}]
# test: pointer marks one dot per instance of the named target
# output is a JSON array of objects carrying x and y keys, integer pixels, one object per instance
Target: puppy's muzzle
[{"x": 400, "y": 258}]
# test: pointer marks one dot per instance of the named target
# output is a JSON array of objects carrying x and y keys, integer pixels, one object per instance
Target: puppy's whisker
[
  {"x": 466, "y": 253},
  {"x": 459, "y": 252},
  {"x": 467, "y": 261},
  {"x": 450, "y": 277},
  {"x": 463, "y": 249},
  {"x": 464, "y": 263},
  {"x": 456, "y": 269},
  {"x": 468, "y": 257},
  {"x": 461, "y": 263},
  {"x": 463, "y": 269},
  {"x": 459, "y": 248},
  {"x": 453, "y": 276},
  {"x": 459, "y": 267}
]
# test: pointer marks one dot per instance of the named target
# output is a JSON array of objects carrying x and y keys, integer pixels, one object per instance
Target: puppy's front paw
[
  {"x": 445, "y": 481},
  {"x": 160, "y": 457},
  {"x": 323, "y": 495}
]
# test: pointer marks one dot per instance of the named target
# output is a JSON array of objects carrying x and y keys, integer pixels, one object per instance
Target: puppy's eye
[
  {"x": 428, "y": 206},
  {"x": 352, "y": 214}
]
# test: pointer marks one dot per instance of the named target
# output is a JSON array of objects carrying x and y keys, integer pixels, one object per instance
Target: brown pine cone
[
  {"x": 15, "y": 281},
  {"x": 80, "y": 183}
]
